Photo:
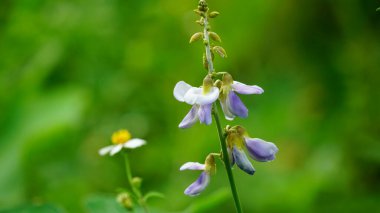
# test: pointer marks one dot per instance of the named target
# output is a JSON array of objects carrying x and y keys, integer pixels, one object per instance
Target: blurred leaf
[
  {"x": 209, "y": 203},
  {"x": 45, "y": 208},
  {"x": 104, "y": 203}
]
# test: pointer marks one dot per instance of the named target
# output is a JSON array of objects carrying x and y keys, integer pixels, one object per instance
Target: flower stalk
[{"x": 135, "y": 190}]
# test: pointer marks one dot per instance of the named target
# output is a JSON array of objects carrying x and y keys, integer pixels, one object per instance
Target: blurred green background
[{"x": 74, "y": 71}]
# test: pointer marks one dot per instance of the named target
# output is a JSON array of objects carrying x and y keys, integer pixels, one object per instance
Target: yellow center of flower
[{"x": 121, "y": 136}]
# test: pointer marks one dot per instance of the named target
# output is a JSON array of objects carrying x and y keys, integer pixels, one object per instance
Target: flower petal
[
  {"x": 199, "y": 185},
  {"x": 242, "y": 161},
  {"x": 190, "y": 119},
  {"x": 246, "y": 89},
  {"x": 105, "y": 150},
  {"x": 236, "y": 106},
  {"x": 116, "y": 149},
  {"x": 195, "y": 96},
  {"x": 180, "y": 90},
  {"x": 134, "y": 143},
  {"x": 261, "y": 150},
  {"x": 227, "y": 113},
  {"x": 192, "y": 166},
  {"x": 204, "y": 114}
]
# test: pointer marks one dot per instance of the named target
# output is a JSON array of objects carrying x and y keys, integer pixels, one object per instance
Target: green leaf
[
  {"x": 378, "y": 9},
  {"x": 153, "y": 194}
]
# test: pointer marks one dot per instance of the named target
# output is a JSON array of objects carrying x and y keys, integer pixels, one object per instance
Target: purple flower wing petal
[
  {"x": 204, "y": 114},
  {"x": 261, "y": 150},
  {"x": 242, "y": 161},
  {"x": 190, "y": 119},
  {"x": 236, "y": 106},
  {"x": 199, "y": 185},
  {"x": 246, "y": 89}
]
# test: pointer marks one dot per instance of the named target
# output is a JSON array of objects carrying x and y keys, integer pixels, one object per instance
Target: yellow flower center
[{"x": 121, "y": 136}]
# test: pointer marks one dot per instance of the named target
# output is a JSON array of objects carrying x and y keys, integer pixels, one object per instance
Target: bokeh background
[{"x": 74, "y": 71}]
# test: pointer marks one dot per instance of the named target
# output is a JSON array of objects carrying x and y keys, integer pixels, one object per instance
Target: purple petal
[
  {"x": 261, "y": 150},
  {"x": 190, "y": 119},
  {"x": 246, "y": 89},
  {"x": 204, "y": 114},
  {"x": 192, "y": 166},
  {"x": 199, "y": 185},
  {"x": 242, "y": 161},
  {"x": 236, "y": 106}
]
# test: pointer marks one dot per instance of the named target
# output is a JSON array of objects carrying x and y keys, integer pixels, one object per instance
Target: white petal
[
  {"x": 134, "y": 143},
  {"x": 116, "y": 149},
  {"x": 180, "y": 90},
  {"x": 192, "y": 166},
  {"x": 196, "y": 96},
  {"x": 227, "y": 114},
  {"x": 246, "y": 89},
  {"x": 105, "y": 150}
]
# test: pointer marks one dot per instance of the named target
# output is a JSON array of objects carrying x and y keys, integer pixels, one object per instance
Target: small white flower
[{"x": 121, "y": 139}]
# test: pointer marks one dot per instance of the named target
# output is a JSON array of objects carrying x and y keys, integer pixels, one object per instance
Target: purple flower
[
  {"x": 231, "y": 104},
  {"x": 258, "y": 149},
  {"x": 200, "y": 98},
  {"x": 201, "y": 183}
]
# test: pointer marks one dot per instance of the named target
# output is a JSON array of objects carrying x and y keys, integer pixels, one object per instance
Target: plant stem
[
  {"x": 206, "y": 28},
  {"x": 226, "y": 161},
  {"x": 135, "y": 191}
]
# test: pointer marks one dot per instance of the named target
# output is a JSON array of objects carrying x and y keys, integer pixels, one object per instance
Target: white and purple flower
[
  {"x": 200, "y": 97},
  {"x": 201, "y": 183},
  {"x": 231, "y": 104},
  {"x": 258, "y": 149},
  {"x": 208, "y": 168}
]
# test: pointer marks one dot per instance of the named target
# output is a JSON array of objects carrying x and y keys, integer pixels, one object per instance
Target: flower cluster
[{"x": 219, "y": 86}]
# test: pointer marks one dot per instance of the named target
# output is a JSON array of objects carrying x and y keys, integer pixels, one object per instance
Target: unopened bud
[
  {"x": 220, "y": 50},
  {"x": 195, "y": 37},
  {"x": 125, "y": 200},
  {"x": 136, "y": 182},
  {"x": 214, "y": 36},
  {"x": 213, "y": 14}
]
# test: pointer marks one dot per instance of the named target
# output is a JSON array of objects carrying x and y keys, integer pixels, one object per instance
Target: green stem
[
  {"x": 226, "y": 161},
  {"x": 135, "y": 191}
]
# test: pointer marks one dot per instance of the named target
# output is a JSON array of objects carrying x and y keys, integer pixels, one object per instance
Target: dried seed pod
[{"x": 214, "y": 36}]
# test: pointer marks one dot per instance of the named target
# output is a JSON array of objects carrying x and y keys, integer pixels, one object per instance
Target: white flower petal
[
  {"x": 192, "y": 166},
  {"x": 196, "y": 96},
  {"x": 180, "y": 90},
  {"x": 134, "y": 143},
  {"x": 227, "y": 114},
  {"x": 246, "y": 89},
  {"x": 116, "y": 149},
  {"x": 105, "y": 150}
]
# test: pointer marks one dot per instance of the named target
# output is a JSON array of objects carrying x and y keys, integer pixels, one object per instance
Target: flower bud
[
  {"x": 214, "y": 36},
  {"x": 197, "y": 36},
  {"x": 213, "y": 14},
  {"x": 125, "y": 200},
  {"x": 220, "y": 50},
  {"x": 136, "y": 182}
]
